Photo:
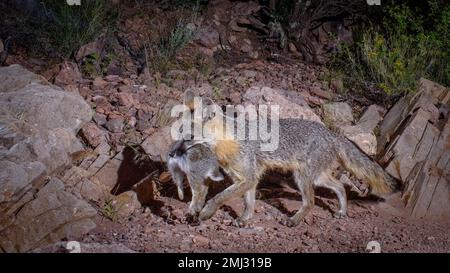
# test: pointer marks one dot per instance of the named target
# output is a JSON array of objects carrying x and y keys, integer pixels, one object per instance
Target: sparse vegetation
[
  {"x": 203, "y": 64},
  {"x": 162, "y": 117},
  {"x": 109, "y": 210},
  {"x": 53, "y": 26},
  {"x": 94, "y": 65},
  {"x": 72, "y": 26},
  {"x": 163, "y": 52},
  {"x": 405, "y": 48},
  {"x": 89, "y": 67}
]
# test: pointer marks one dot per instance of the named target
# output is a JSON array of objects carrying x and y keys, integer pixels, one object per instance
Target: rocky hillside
[{"x": 83, "y": 139}]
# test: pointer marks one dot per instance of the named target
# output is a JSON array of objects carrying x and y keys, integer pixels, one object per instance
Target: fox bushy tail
[{"x": 364, "y": 168}]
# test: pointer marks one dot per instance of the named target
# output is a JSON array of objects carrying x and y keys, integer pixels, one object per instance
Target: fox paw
[
  {"x": 241, "y": 223},
  {"x": 339, "y": 215},
  {"x": 206, "y": 212},
  {"x": 192, "y": 219},
  {"x": 289, "y": 222}
]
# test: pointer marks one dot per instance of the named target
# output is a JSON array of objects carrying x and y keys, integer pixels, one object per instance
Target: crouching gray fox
[{"x": 306, "y": 149}]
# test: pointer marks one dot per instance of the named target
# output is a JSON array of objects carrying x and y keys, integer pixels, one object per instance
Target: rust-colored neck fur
[
  {"x": 226, "y": 151},
  {"x": 226, "y": 147}
]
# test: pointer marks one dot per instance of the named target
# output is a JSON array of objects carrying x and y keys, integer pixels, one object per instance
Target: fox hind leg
[
  {"x": 199, "y": 192},
  {"x": 307, "y": 191},
  {"x": 249, "y": 201},
  {"x": 329, "y": 182}
]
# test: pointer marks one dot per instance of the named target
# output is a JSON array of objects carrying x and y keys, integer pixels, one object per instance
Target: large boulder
[
  {"x": 157, "y": 145},
  {"x": 53, "y": 214},
  {"x": 337, "y": 114},
  {"x": 68, "y": 74},
  {"x": 414, "y": 147},
  {"x": 54, "y": 148},
  {"x": 362, "y": 133},
  {"x": 15, "y": 77},
  {"x": 17, "y": 178},
  {"x": 38, "y": 126},
  {"x": 414, "y": 121},
  {"x": 339, "y": 117},
  {"x": 45, "y": 107},
  {"x": 291, "y": 104}
]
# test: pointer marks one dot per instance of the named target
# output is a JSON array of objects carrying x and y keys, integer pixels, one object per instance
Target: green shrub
[
  {"x": 178, "y": 37},
  {"x": 404, "y": 49},
  {"x": 69, "y": 27},
  {"x": 95, "y": 65},
  {"x": 161, "y": 54}
]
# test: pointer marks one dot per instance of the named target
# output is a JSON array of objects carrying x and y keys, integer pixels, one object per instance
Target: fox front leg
[
  {"x": 235, "y": 190},
  {"x": 249, "y": 201},
  {"x": 199, "y": 193}
]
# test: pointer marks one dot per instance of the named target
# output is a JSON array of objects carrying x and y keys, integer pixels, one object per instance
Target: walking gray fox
[{"x": 306, "y": 149}]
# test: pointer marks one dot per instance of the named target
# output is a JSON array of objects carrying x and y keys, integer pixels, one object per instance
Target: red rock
[
  {"x": 100, "y": 119},
  {"x": 321, "y": 93},
  {"x": 158, "y": 144},
  {"x": 246, "y": 46},
  {"x": 206, "y": 51},
  {"x": 127, "y": 81},
  {"x": 84, "y": 91},
  {"x": 125, "y": 88},
  {"x": 131, "y": 121},
  {"x": 92, "y": 134},
  {"x": 312, "y": 100},
  {"x": 165, "y": 177},
  {"x": 292, "y": 48},
  {"x": 201, "y": 241},
  {"x": 113, "y": 78},
  {"x": 71, "y": 88},
  {"x": 102, "y": 104},
  {"x": 125, "y": 99},
  {"x": 337, "y": 85},
  {"x": 88, "y": 49},
  {"x": 208, "y": 37},
  {"x": 99, "y": 83},
  {"x": 51, "y": 73},
  {"x": 115, "y": 124},
  {"x": 69, "y": 74},
  {"x": 116, "y": 140}
]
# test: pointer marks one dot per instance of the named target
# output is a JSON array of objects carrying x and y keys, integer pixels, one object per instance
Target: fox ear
[{"x": 188, "y": 99}]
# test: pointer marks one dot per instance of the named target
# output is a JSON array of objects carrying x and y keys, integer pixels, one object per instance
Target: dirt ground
[{"x": 162, "y": 228}]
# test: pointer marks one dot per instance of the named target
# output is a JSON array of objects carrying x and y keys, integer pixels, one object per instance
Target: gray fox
[{"x": 306, "y": 149}]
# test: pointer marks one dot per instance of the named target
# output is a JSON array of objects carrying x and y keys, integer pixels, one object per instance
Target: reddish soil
[{"x": 163, "y": 229}]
